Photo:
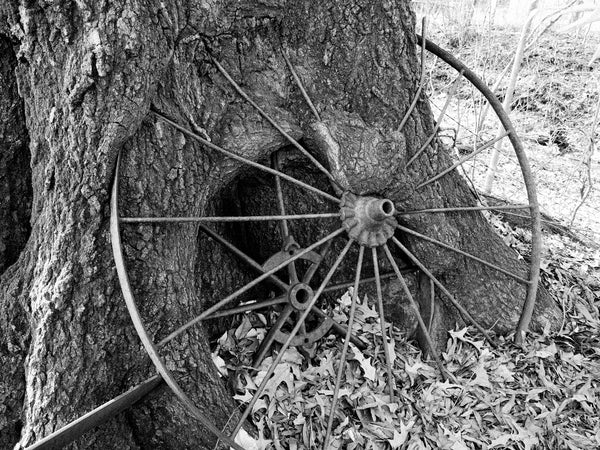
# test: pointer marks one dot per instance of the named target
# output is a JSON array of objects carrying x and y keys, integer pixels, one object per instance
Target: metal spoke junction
[
  {"x": 287, "y": 343},
  {"x": 249, "y": 285}
]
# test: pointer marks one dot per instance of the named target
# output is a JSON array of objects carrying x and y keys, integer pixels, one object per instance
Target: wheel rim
[{"x": 367, "y": 222}]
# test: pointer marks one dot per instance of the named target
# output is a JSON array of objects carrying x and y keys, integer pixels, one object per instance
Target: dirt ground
[{"x": 555, "y": 101}]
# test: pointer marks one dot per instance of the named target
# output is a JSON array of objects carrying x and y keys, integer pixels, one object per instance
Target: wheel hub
[
  {"x": 369, "y": 221},
  {"x": 300, "y": 296}
]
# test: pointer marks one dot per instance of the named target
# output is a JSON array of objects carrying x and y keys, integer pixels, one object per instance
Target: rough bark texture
[
  {"x": 88, "y": 73},
  {"x": 15, "y": 207},
  {"x": 15, "y": 188}
]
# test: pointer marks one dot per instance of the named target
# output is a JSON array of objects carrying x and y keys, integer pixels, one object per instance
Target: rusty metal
[
  {"x": 385, "y": 276},
  {"x": 301, "y": 86},
  {"x": 431, "y": 304},
  {"x": 384, "y": 337},
  {"x": 372, "y": 213},
  {"x": 450, "y": 297},
  {"x": 284, "y": 256},
  {"x": 71, "y": 432},
  {"x": 299, "y": 296},
  {"x": 438, "y": 122},
  {"x": 463, "y": 160},
  {"x": 269, "y": 339},
  {"x": 247, "y": 161},
  {"x": 248, "y": 307},
  {"x": 227, "y": 218},
  {"x": 315, "y": 266},
  {"x": 536, "y": 230},
  {"x": 461, "y": 209},
  {"x": 240, "y": 254},
  {"x": 247, "y": 286},
  {"x": 140, "y": 328},
  {"x": 277, "y": 260},
  {"x": 369, "y": 220},
  {"x": 287, "y": 343},
  {"x": 293, "y": 294},
  {"x": 285, "y": 231},
  {"x": 288, "y": 241},
  {"x": 307, "y": 337},
  {"x": 415, "y": 307},
  {"x": 421, "y": 78},
  {"x": 463, "y": 253},
  {"x": 338, "y": 328},
  {"x": 342, "y": 364}
]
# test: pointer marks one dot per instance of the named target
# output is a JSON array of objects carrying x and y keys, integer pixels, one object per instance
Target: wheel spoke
[
  {"x": 338, "y": 328},
  {"x": 461, "y": 209},
  {"x": 240, "y": 254},
  {"x": 247, "y": 161},
  {"x": 421, "y": 79},
  {"x": 431, "y": 304},
  {"x": 347, "y": 284},
  {"x": 301, "y": 86},
  {"x": 286, "y": 344},
  {"x": 342, "y": 364},
  {"x": 248, "y": 286},
  {"x": 248, "y": 307},
  {"x": 227, "y": 218},
  {"x": 463, "y": 160},
  {"x": 453, "y": 89},
  {"x": 302, "y": 326},
  {"x": 414, "y": 305},
  {"x": 285, "y": 231},
  {"x": 460, "y": 252},
  {"x": 292, "y": 141},
  {"x": 269, "y": 339},
  {"x": 441, "y": 287},
  {"x": 310, "y": 273},
  {"x": 386, "y": 348},
  {"x": 467, "y": 129}
]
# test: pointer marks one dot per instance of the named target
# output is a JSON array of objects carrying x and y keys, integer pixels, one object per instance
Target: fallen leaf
[{"x": 365, "y": 363}]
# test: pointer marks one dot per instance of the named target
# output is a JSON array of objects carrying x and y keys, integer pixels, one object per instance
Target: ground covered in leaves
[{"x": 545, "y": 395}]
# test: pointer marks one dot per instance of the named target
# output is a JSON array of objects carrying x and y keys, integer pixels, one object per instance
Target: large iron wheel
[{"x": 366, "y": 222}]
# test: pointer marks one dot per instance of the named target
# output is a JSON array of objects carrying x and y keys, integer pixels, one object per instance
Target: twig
[
  {"x": 518, "y": 59},
  {"x": 588, "y": 183}
]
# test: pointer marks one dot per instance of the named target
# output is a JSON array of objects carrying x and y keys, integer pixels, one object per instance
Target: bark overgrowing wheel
[{"x": 371, "y": 223}]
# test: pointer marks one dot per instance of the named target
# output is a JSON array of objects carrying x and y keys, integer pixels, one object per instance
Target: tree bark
[{"x": 87, "y": 74}]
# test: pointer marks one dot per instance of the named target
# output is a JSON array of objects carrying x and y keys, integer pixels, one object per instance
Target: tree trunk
[{"x": 87, "y": 74}]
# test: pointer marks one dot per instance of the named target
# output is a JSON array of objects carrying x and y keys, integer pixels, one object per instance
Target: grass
[{"x": 555, "y": 101}]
